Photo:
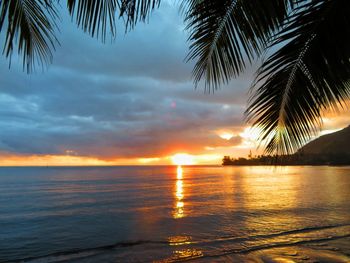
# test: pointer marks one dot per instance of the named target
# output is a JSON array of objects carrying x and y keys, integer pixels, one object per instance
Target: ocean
[{"x": 171, "y": 214}]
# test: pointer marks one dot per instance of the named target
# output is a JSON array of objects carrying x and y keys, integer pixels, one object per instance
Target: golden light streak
[
  {"x": 179, "y": 191},
  {"x": 62, "y": 160},
  {"x": 179, "y": 173},
  {"x": 50, "y": 160},
  {"x": 149, "y": 160},
  {"x": 179, "y": 240},
  {"x": 179, "y": 195}
]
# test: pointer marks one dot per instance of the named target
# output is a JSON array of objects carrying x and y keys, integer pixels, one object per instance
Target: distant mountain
[{"x": 336, "y": 143}]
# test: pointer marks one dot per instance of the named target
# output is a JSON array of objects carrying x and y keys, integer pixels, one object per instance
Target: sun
[{"x": 182, "y": 159}]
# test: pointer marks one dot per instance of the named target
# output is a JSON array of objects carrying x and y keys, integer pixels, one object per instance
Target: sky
[{"x": 127, "y": 101}]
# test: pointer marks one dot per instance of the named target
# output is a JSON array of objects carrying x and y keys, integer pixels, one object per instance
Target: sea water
[{"x": 170, "y": 214}]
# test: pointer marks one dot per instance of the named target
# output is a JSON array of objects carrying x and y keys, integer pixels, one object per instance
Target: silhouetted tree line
[{"x": 293, "y": 159}]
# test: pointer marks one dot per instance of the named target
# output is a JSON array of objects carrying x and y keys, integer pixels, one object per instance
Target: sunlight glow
[
  {"x": 226, "y": 135},
  {"x": 250, "y": 133},
  {"x": 250, "y": 138},
  {"x": 324, "y": 132},
  {"x": 75, "y": 160},
  {"x": 182, "y": 159}
]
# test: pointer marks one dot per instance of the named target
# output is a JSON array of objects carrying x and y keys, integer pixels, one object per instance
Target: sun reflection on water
[
  {"x": 179, "y": 195},
  {"x": 179, "y": 172},
  {"x": 187, "y": 253},
  {"x": 179, "y": 240}
]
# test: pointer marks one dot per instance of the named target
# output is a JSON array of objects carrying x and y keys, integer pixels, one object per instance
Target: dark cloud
[{"x": 130, "y": 98}]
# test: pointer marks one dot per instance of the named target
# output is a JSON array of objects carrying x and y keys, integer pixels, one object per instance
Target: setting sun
[{"x": 182, "y": 159}]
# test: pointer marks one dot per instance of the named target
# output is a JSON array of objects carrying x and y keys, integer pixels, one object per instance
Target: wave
[
  {"x": 282, "y": 233},
  {"x": 243, "y": 249},
  {"x": 269, "y": 246},
  {"x": 93, "y": 249}
]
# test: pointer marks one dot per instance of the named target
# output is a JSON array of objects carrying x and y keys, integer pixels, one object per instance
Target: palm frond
[
  {"x": 308, "y": 74},
  {"x": 95, "y": 17},
  {"x": 225, "y": 33},
  {"x": 98, "y": 18},
  {"x": 30, "y": 25},
  {"x": 137, "y": 10}
]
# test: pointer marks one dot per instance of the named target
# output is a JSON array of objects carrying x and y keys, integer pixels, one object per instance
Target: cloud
[{"x": 133, "y": 98}]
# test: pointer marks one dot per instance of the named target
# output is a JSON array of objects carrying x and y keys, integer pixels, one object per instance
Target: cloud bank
[{"x": 132, "y": 98}]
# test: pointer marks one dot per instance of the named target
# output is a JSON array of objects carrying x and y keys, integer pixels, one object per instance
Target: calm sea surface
[{"x": 170, "y": 214}]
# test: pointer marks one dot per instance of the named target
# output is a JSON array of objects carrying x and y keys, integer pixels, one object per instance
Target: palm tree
[{"x": 307, "y": 71}]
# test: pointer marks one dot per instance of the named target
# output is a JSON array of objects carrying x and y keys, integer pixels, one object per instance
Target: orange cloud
[{"x": 59, "y": 160}]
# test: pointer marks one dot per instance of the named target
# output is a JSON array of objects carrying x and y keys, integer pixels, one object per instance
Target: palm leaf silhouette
[
  {"x": 31, "y": 24},
  {"x": 226, "y": 33},
  {"x": 99, "y": 17},
  {"x": 308, "y": 74}
]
